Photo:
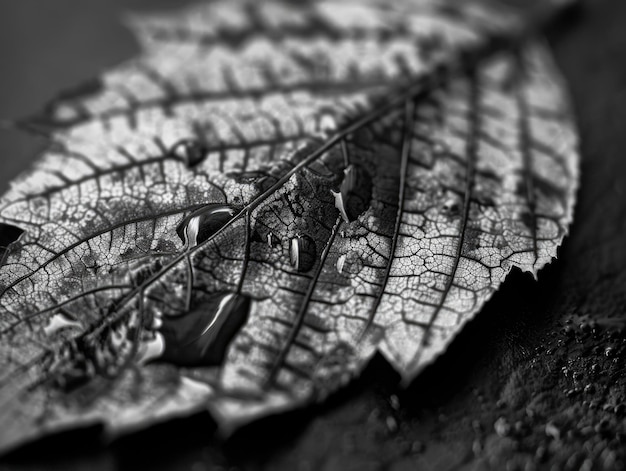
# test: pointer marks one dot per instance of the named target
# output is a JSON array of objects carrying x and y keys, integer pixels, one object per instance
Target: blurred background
[{"x": 50, "y": 45}]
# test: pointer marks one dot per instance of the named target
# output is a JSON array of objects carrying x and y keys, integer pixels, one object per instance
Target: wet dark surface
[{"x": 536, "y": 380}]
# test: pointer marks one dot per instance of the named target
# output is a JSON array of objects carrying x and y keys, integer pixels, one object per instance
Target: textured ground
[{"x": 537, "y": 381}]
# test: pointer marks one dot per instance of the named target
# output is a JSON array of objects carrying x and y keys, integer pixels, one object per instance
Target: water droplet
[
  {"x": 272, "y": 240},
  {"x": 452, "y": 205},
  {"x": 59, "y": 322},
  {"x": 190, "y": 151},
  {"x": 355, "y": 193},
  {"x": 349, "y": 264},
  {"x": 203, "y": 223},
  {"x": 201, "y": 337},
  {"x": 327, "y": 123},
  {"x": 340, "y": 263},
  {"x": 302, "y": 253}
]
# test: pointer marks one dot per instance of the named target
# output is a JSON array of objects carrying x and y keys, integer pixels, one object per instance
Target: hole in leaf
[{"x": 8, "y": 235}]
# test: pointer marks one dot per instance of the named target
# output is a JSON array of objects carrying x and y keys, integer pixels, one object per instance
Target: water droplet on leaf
[
  {"x": 203, "y": 223},
  {"x": 190, "y": 151},
  {"x": 302, "y": 253},
  {"x": 327, "y": 123},
  {"x": 202, "y": 336},
  {"x": 452, "y": 205},
  {"x": 349, "y": 264},
  {"x": 355, "y": 193},
  {"x": 272, "y": 240},
  {"x": 340, "y": 263}
]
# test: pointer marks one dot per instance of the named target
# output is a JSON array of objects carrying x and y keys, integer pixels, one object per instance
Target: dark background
[{"x": 528, "y": 385}]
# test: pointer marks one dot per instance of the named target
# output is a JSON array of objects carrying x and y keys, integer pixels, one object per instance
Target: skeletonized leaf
[{"x": 242, "y": 216}]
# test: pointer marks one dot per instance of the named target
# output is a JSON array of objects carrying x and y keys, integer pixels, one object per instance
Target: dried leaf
[{"x": 242, "y": 216}]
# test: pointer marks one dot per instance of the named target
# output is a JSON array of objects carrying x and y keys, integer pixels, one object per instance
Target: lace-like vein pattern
[{"x": 242, "y": 216}]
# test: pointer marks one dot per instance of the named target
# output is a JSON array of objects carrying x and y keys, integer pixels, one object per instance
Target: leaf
[{"x": 242, "y": 216}]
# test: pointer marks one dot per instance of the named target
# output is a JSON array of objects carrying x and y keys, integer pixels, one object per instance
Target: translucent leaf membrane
[{"x": 239, "y": 218}]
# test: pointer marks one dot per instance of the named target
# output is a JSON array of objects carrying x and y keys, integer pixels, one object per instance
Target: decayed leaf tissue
[{"x": 242, "y": 216}]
